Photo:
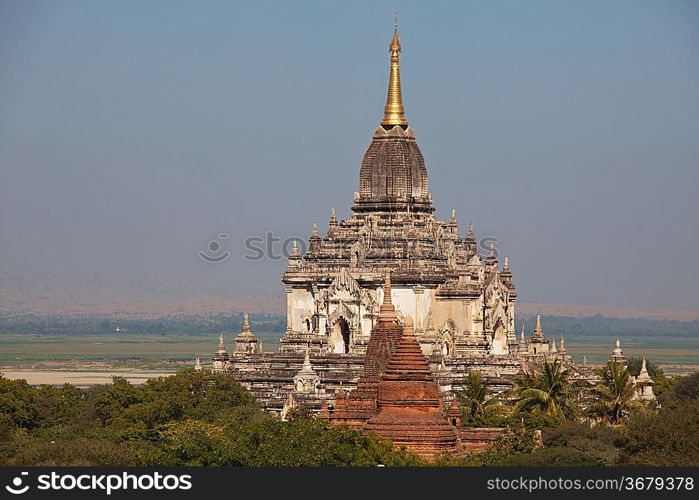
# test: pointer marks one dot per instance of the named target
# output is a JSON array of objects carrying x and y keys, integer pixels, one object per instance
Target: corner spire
[
  {"x": 387, "y": 290},
  {"x": 307, "y": 358},
  {"x": 394, "y": 112},
  {"x": 221, "y": 345},
  {"x": 245, "y": 331},
  {"x": 644, "y": 377},
  {"x": 246, "y": 322},
  {"x": 409, "y": 327},
  {"x": 387, "y": 311}
]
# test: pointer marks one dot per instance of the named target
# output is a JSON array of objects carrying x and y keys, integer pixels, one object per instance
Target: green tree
[
  {"x": 549, "y": 391},
  {"x": 74, "y": 452},
  {"x": 686, "y": 388},
  {"x": 634, "y": 366},
  {"x": 472, "y": 396},
  {"x": 308, "y": 442},
  {"x": 614, "y": 396},
  {"x": 115, "y": 398},
  {"x": 190, "y": 443},
  {"x": 19, "y": 401},
  {"x": 202, "y": 395},
  {"x": 600, "y": 443},
  {"x": 667, "y": 438},
  {"x": 516, "y": 439},
  {"x": 62, "y": 407},
  {"x": 140, "y": 412}
]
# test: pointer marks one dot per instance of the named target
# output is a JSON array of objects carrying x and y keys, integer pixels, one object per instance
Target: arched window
[{"x": 340, "y": 338}]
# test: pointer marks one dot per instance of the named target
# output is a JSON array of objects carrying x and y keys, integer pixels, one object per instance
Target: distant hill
[
  {"x": 576, "y": 311},
  {"x": 149, "y": 297},
  {"x": 132, "y": 296}
]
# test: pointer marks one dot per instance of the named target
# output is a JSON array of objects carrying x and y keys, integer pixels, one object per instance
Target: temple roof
[
  {"x": 454, "y": 410},
  {"x": 538, "y": 335},
  {"x": 245, "y": 332},
  {"x": 393, "y": 169},
  {"x": 307, "y": 367}
]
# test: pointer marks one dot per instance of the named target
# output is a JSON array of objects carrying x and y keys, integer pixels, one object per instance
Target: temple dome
[
  {"x": 393, "y": 169},
  {"x": 393, "y": 176}
]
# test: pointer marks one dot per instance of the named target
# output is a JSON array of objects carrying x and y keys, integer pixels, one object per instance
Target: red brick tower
[
  {"x": 355, "y": 409},
  {"x": 409, "y": 402}
]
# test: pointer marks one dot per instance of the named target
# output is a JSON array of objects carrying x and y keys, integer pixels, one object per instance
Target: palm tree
[
  {"x": 548, "y": 391},
  {"x": 615, "y": 394},
  {"x": 473, "y": 394}
]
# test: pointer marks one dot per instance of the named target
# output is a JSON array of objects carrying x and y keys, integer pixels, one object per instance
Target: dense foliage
[
  {"x": 613, "y": 398},
  {"x": 191, "y": 418},
  {"x": 583, "y": 425},
  {"x": 548, "y": 391}
]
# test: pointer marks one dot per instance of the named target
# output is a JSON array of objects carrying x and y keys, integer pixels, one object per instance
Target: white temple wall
[
  {"x": 430, "y": 314},
  {"x": 303, "y": 308}
]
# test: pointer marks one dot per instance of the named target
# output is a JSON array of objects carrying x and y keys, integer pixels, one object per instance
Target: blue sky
[{"x": 133, "y": 133}]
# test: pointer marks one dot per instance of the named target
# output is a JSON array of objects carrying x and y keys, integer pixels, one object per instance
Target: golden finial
[
  {"x": 394, "y": 112},
  {"x": 395, "y": 43}
]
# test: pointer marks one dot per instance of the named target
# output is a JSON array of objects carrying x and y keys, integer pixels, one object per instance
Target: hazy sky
[{"x": 133, "y": 133}]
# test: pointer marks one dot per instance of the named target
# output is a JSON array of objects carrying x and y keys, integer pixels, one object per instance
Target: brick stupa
[
  {"x": 360, "y": 405},
  {"x": 409, "y": 402}
]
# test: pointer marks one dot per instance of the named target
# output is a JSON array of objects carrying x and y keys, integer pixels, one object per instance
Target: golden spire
[{"x": 394, "y": 113}]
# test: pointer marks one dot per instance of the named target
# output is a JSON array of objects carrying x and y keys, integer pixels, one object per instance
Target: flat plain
[{"x": 86, "y": 359}]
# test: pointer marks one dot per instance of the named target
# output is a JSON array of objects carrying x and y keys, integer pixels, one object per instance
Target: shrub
[
  {"x": 686, "y": 388},
  {"x": 600, "y": 443},
  {"x": 668, "y": 438},
  {"x": 80, "y": 452}
]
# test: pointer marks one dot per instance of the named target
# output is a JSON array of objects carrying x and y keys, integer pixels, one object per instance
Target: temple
[
  {"x": 462, "y": 302},
  {"x": 372, "y": 353}
]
